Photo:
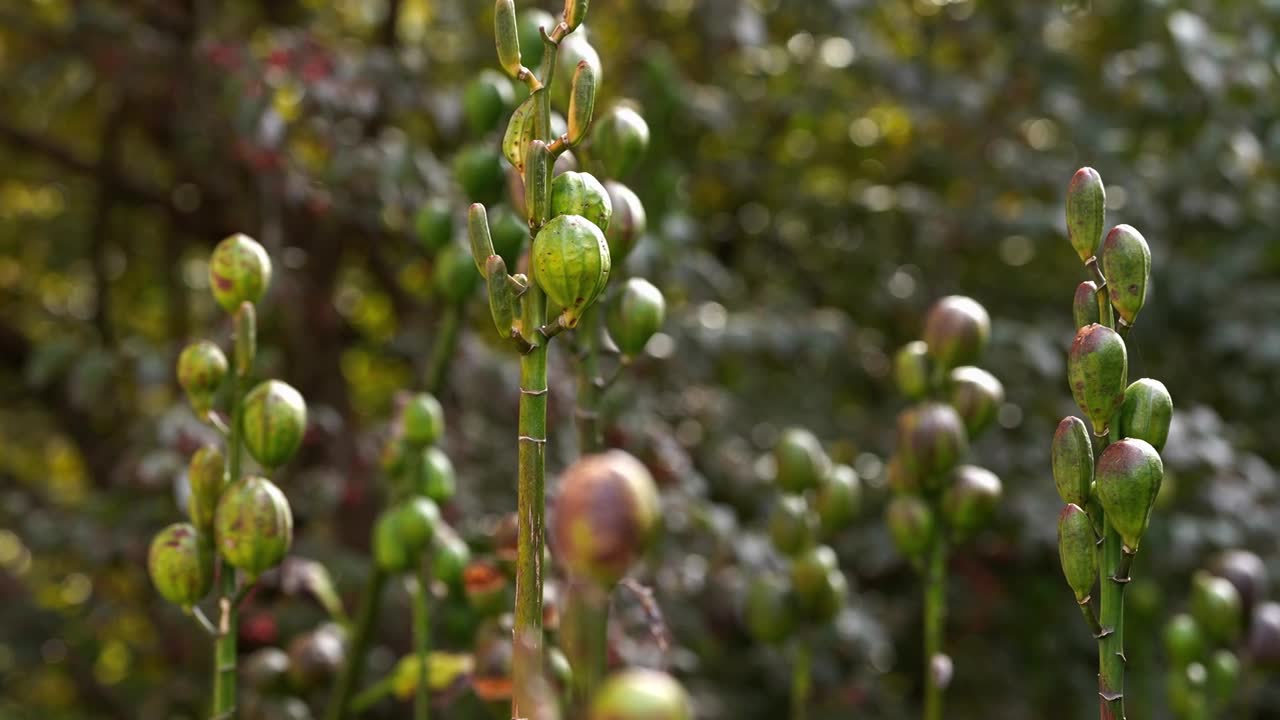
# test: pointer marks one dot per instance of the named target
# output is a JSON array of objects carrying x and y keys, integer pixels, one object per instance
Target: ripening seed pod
[
  {"x": 770, "y": 609},
  {"x": 911, "y": 369},
  {"x": 817, "y": 585},
  {"x": 1247, "y": 572},
  {"x": 582, "y": 102},
  {"x": 1183, "y": 640},
  {"x": 507, "y": 33},
  {"x": 315, "y": 657},
  {"x": 635, "y": 315},
  {"x": 931, "y": 441},
  {"x": 438, "y": 480},
  {"x": 254, "y": 525},
  {"x": 1264, "y": 636},
  {"x": 628, "y": 222},
  {"x": 1098, "y": 367},
  {"x": 800, "y": 461},
  {"x": 1129, "y": 474},
  {"x": 454, "y": 278},
  {"x": 481, "y": 174},
  {"x": 201, "y": 368},
  {"x": 1126, "y": 264},
  {"x": 970, "y": 499},
  {"x": 957, "y": 330},
  {"x": 977, "y": 395},
  {"x": 793, "y": 526},
  {"x": 487, "y": 97},
  {"x": 180, "y": 569},
  {"x": 1215, "y": 604},
  {"x": 485, "y": 587},
  {"x": 606, "y": 513},
  {"x": 275, "y": 419},
  {"x": 1077, "y": 550},
  {"x": 415, "y": 524},
  {"x": 1072, "y": 455},
  {"x": 641, "y": 694},
  {"x": 575, "y": 193},
  {"x": 207, "y": 476},
  {"x": 1086, "y": 212},
  {"x": 266, "y": 670},
  {"x": 422, "y": 420},
  {"x": 1084, "y": 306},
  {"x": 1224, "y": 676},
  {"x": 522, "y": 129},
  {"x": 911, "y": 524},
  {"x": 571, "y": 264},
  {"x": 575, "y": 11},
  {"x": 621, "y": 138},
  {"x": 449, "y": 557},
  {"x": 1146, "y": 412},
  {"x": 899, "y": 480},
  {"x": 433, "y": 224},
  {"x": 839, "y": 499},
  {"x": 239, "y": 271}
]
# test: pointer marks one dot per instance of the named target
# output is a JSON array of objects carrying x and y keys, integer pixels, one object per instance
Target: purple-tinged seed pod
[
  {"x": 957, "y": 330},
  {"x": 1098, "y": 368}
]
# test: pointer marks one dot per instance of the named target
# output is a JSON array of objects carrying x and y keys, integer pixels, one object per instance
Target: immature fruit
[
  {"x": 579, "y": 193},
  {"x": 800, "y": 461},
  {"x": 582, "y": 103},
  {"x": 957, "y": 330},
  {"x": 1183, "y": 640},
  {"x": 316, "y": 656},
  {"x": 1146, "y": 412},
  {"x": 415, "y": 524},
  {"x": 574, "y": 49},
  {"x": 1077, "y": 550},
  {"x": 1264, "y": 636},
  {"x": 254, "y": 525},
  {"x": 818, "y": 586},
  {"x": 201, "y": 369},
  {"x": 571, "y": 264},
  {"x": 509, "y": 231},
  {"x": 449, "y": 557},
  {"x": 206, "y": 474},
  {"x": 635, "y": 315},
  {"x": 1215, "y": 605},
  {"x": 531, "y": 20},
  {"x": 620, "y": 139},
  {"x": 770, "y": 609},
  {"x": 275, "y": 419},
  {"x": 931, "y": 441},
  {"x": 1224, "y": 675},
  {"x": 486, "y": 98},
  {"x": 180, "y": 570},
  {"x": 455, "y": 276},
  {"x": 792, "y": 526},
  {"x": 438, "y": 480},
  {"x": 1084, "y": 306},
  {"x": 911, "y": 369},
  {"x": 911, "y": 524},
  {"x": 976, "y": 394},
  {"x": 970, "y": 499},
  {"x": 1129, "y": 474},
  {"x": 433, "y": 224},
  {"x": 605, "y": 516},
  {"x": 422, "y": 420},
  {"x": 266, "y": 670},
  {"x": 239, "y": 271},
  {"x": 641, "y": 694},
  {"x": 1247, "y": 572},
  {"x": 507, "y": 34},
  {"x": 389, "y": 553},
  {"x": 479, "y": 170},
  {"x": 1126, "y": 264},
  {"x": 1086, "y": 211},
  {"x": 1072, "y": 455},
  {"x": 1098, "y": 368},
  {"x": 628, "y": 222},
  {"x": 839, "y": 499}
]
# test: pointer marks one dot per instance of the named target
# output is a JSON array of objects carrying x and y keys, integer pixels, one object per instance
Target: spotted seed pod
[
  {"x": 1072, "y": 455},
  {"x": 571, "y": 264},
  {"x": 931, "y": 441},
  {"x": 970, "y": 500},
  {"x": 433, "y": 224},
  {"x": 641, "y": 694},
  {"x": 315, "y": 657},
  {"x": 1098, "y": 368},
  {"x": 580, "y": 193},
  {"x": 817, "y": 584},
  {"x": 839, "y": 498},
  {"x": 911, "y": 524},
  {"x": 422, "y": 420},
  {"x": 793, "y": 526},
  {"x": 628, "y": 223},
  {"x": 1247, "y": 572},
  {"x": 1224, "y": 676},
  {"x": 957, "y": 330},
  {"x": 201, "y": 368},
  {"x": 454, "y": 276},
  {"x": 582, "y": 102},
  {"x": 606, "y": 514},
  {"x": 1183, "y": 640},
  {"x": 180, "y": 568},
  {"x": 1126, "y": 264},
  {"x": 415, "y": 524},
  {"x": 1128, "y": 475},
  {"x": 636, "y": 315},
  {"x": 1086, "y": 212},
  {"x": 1077, "y": 550},
  {"x": 770, "y": 609},
  {"x": 1264, "y": 636},
  {"x": 438, "y": 480},
  {"x": 800, "y": 461},
  {"x": 977, "y": 395},
  {"x": 621, "y": 138},
  {"x": 1147, "y": 412},
  {"x": 207, "y": 476},
  {"x": 449, "y": 556},
  {"x": 1084, "y": 307},
  {"x": 254, "y": 525},
  {"x": 275, "y": 419},
  {"x": 239, "y": 271},
  {"x": 1215, "y": 604}
]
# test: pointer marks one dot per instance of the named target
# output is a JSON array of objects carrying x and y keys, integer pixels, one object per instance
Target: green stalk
[
  {"x": 801, "y": 680},
  {"x": 587, "y": 414},
  {"x": 422, "y": 640},
  {"x": 353, "y": 670},
  {"x": 585, "y": 639},
  {"x": 446, "y": 343},
  {"x": 935, "y": 617}
]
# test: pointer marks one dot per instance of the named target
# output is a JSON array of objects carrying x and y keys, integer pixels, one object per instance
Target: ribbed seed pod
[
  {"x": 957, "y": 330},
  {"x": 239, "y": 271},
  {"x": 571, "y": 264},
  {"x": 977, "y": 395},
  {"x": 275, "y": 420},
  {"x": 1086, "y": 212},
  {"x": 931, "y": 441},
  {"x": 1072, "y": 456},
  {"x": 1126, "y": 264},
  {"x": 1098, "y": 368},
  {"x": 575, "y": 193},
  {"x": 180, "y": 567},
  {"x": 1147, "y": 412},
  {"x": 1128, "y": 477},
  {"x": 207, "y": 476},
  {"x": 202, "y": 366},
  {"x": 254, "y": 525},
  {"x": 1084, "y": 306}
]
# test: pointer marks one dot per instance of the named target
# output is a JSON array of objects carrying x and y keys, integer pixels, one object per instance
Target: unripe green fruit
[
  {"x": 931, "y": 441},
  {"x": 531, "y": 20},
  {"x": 1084, "y": 306},
  {"x": 422, "y": 420},
  {"x": 1086, "y": 211},
  {"x": 1072, "y": 455},
  {"x": 239, "y": 271},
  {"x": 792, "y": 526},
  {"x": 486, "y": 99},
  {"x": 254, "y": 525},
  {"x": 1215, "y": 604},
  {"x": 635, "y": 315},
  {"x": 911, "y": 369},
  {"x": 969, "y": 501},
  {"x": 316, "y": 656},
  {"x": 957, "y": 330},
  {"x": 1129, "y": 474},
  {"x": 839, "y": 499},
  {"x": 1183, "y": 640},
  {"x": 911, "y": 524},
  {"x": 620, "y": 139},
  {"x": 433, "y": 224},
  {"x": 579, "y": 193},
  {"x": 438, "y": 480},
  {"x": 479, "y": 170},
  {"x": 389, "y": 554},
  {"x": 1126, "y": 264},
  {"x": 977, "y": 395},
  {"x": 770, "y": 609},
  {"x": 800, "y": 461},
  {"x": 455, "y": 276},
  {"x": 206, "y": 475},
  {"x": 201, "y": 369},
  {"x": 1264, "y": 636},
  {"x": 1247, "y": 572},
  {"x": 266, "y": 670},
  {"x": 450, "y": 557},
  {"x": 507, "y": 35},
  {"x": 571, "y": 264},
  {"x": 180, "y": 569},
  {"x": 606, "y": 514},
  {"x": 1224, "y": 675},
  {"x": 1146, "y": 412},
  {"x": 582, "y": 103},
  {"x": 628, "y": 223},
  {"x": 1077, "y": 551},
  {"x": 641, "y": 694},
  {"x": 415, "y": 524},
  {"x": 509, "y": 232},
  {"x": 1098, "y": 368},
  {"x": 275, "y": 419},
  {"x": 485, "y": 587},
  {"x": 817, "y": 584}
]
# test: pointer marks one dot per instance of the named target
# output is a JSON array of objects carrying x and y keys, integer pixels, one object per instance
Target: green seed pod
[
  {"x": 415, "y": 524},
  {"x": 478, "y": 236},
  {"x": 1247, "y": 572},
  {"x": 1077, "y": 550},
  {"x": 438, "y": 481},
  {"x": 1264, "y": 636},
  {"x": 635, "y": 315},
  {"x": 1072, "y": 455},
  {"x": 792, "y": 525},
  {"x": 1146, "y": 412},
  {"x": 239, "y": 271},
  {"x": 316, "y": 656},
  {"x": 532, "y": 21},
  {"x": 485, "y": 587},
  {"x": 620, "y": 139},
  {"x": 1129, "y": 474},
  {"x": 487, "y": 97},
  {"x": 502, "y": 301},
  {"x": 537, "y": 164},
  {"x": 479, "y": 171},
  {"x": 641, "y": 694},
  {"x": 266, "y": 670},
  {"x": 275, "y": 419},
  {"x": 575, "y": 193},
  {"x": 422, "y": 420},
  {"x": 1126, "y": 264},
  {"x": 800, "y": 461},
  {"x": 389, "y": 553},
  {"x": 628, "y": 223},
  {"x": 1086, "y": 212},
  {"x": 770, "y": 609},
  {"x": 1183, "y": 640},
  {"x": 254, "y": 525},
  {"x": 1215, "y": 604},
  {"x": 969, "y": 501},
  {"x": 1098, "y": 367},
  {"x": 450, "y": 557},
  {"x": 977, "y": 395},
  {"x": 1224, "y": 676},
  {"x": 839, "y": 499},
  {"x": 571, "y": 264},
  {"x": 899, "y": 480},
  {"x": 507, "y": 33},
  {"x": 522, "y": 129},
  {"x": 911, "y": 369},
  {"x": 207, "y": 476},
  {"x": 1084, "y": 307},
  {"x": 582, "y": 102},
  {"x": 606, "y": 514},
  {"x": 931, "y": 441},
  {"x": 181, "y": 571},
  {"x": 911, "y": 524},
  {"x": 433, "y": 224},
  {"x": 574, "y": 49},
  {"x": 201, "y": 368},
  {"x": 957, "y": 330},
  {"x": 811, "y": 584},
  {"x": 454, "y": 278},
  {"x": 575, "y": 11},
  {"x": 510, "y": 231}
]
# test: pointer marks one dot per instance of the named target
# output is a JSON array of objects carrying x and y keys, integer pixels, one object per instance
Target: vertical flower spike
[
  {"x": 1077, "y": 549},
  {"x": 1098, "y": 368},
  {"x": 275, "y": 419},
  {"x": 976, "y": 394},
  {"x": 579, "y": 193},
  {"x": 957, "y": 330},
  {"x": 1086, "y": 212},
  {"x": 582, "y": 102},
  {"x": 911, "y": 524},
  {"x": 1147, "y": 412},
  {"x": 1072, "y": 455},
  {"x": 201, "y": 368},
  {"x": 800, "y": 461},
  {"x": 931, "y": 441},
  {"x": 1084, "y": 307},
  {"x": 1129, "y": 474},
  {"x": 254, "y": 525},
  {"x": 1126, "y": 263},
  {"x": 478, "y": 235},
  {"x": 507, "y": 33},
  {"x": 180, "y": 569},
  {"x": 1215, "y": 604},
  {"x": 635, "y": 315},
  {"x": 239, "y": 271},
  {"x": 575, "y": 12},
  {"x": 911, "y": 369},
  {"x": 970, "y": 499}
]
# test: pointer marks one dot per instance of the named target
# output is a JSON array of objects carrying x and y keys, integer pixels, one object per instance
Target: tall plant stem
[
  {"x": 422, "y": 640},
  {"x": 445, "y": 345},
  {"x": 585, "y": 638},
  {"x": 935, "y": 618},
  {"x": 1111, "y": 660},
  {"x": 587, "y": 414},
  {"x": 353, "y": 670},
  {"x": 801, "y": 679}
]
